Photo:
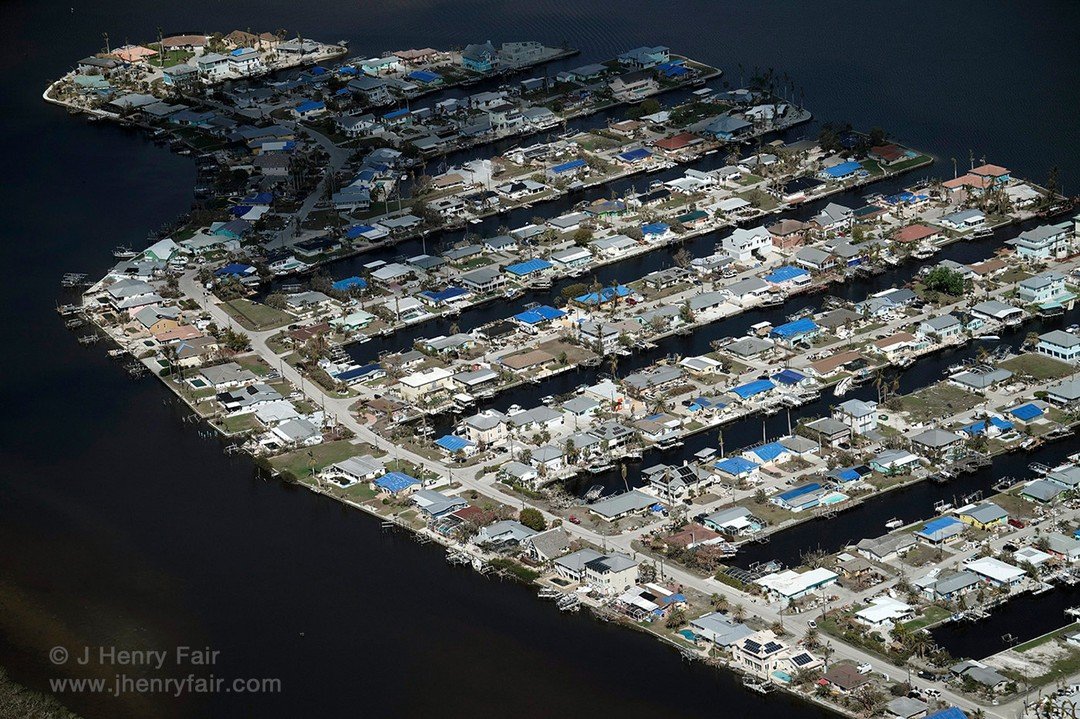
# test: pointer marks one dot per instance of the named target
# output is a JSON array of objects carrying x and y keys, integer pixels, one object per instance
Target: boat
[
  {"x": 549, "y": 593},
  {"x": 594, "y": 492},
  {"x": 843, "y": 386},
  {"x": 124, "y": 253},
  {"x": 772, "y": 301},
  {"x": 982, "y": 232},
  {"x": 600, "y": 467},
  {"x": 550, "y": 399},
  {"x": 514, "y": 293},
  {"x": 894, "y": 523},
  {"x": 988, "y": 337}
]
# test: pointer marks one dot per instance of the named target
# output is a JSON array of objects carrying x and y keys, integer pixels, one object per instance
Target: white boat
[
  {"x": 988, "y": 337},
  {"x": 843, "y": 386},
  {"x": 894, "y": 523}
]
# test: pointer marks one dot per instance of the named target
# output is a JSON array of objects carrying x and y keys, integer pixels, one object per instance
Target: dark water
[{"x": 120, "y": 526}]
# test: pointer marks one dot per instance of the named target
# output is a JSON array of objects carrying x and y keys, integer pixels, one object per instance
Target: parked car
[{"x": 864, "y": 668}]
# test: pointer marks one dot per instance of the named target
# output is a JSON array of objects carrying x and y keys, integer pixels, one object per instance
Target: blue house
[
  {"x": 396, "y": 483},
  {"x": 350, "y": 283},
  {"x": 736, "y": 467},
  {"x": 843, "y": 171},
  {"x": 479, "y": 57},
  {"x": 539, "y": 315},
  {"x": 797, "y": 331},
  {"x": 528, "y": 267},
  {"x": 745, "y": 391}
]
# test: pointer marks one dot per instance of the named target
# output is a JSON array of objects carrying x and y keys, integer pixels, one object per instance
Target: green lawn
[
  {"x": 1038, "y": 366},
  {"x": 299, "y": 464},
  {"x": 932, "y": 615},
  {"x": 241, "y": 423},
  {"x": 256, "y": 316},
  {"x": 760, "y": 199},
  {"x": 1039, "y": 641},
  {"x": 940, "y": 400},
  {"x": 910, "y": 163}
]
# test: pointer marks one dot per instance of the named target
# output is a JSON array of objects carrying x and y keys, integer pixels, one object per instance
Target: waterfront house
[
  {"x": 941, "y": 530},
  {"x": 828, "y": 431},
  {"x": 1065, "y": 393},
  {"x": 433, "y": 504},
  {"x": 633, "y": 86},
  {"x": 507, "y": 532},
  {"x": 546, "y": 546},
  {"x": 611, "y": 573},
  {"x": 735, "y": 522},
  {"x": 480, "y": 57},
  {"x": 996, "y": 572},
  {"x": 886, "y": 548},
  {"x": 572, "y": 566},
  {"x": 297, "y": 432},
  {"x": 1043, "y": 287},
  {"x": 743, "y": 244},
  {"x": 1044, "y": 242},
  {"x": 789, "y": 585},
  {"x": 1041, "y": 491},
  {"x": 419, "y": 385},
  {"x": 1061, "y": 345},
  {"x": 364, "y": 468},
  {"x": 941, "y": 327},
  {"x": 759, "y": 653},
  {"x": 985, "y": 515},
  {"x": 645, "y": 57},
  {"x": 727, "y": 128},
  {"x": 937, "y": 586},
  {"x": 859, "y": 415},
  {"x": 622, "y": 505},
  {"x": 894, "y": 461},
  {"x": 227, "y": 376},
  {"x": 719, "y": 629},
  {"x": 938, "y": 444},
  {"x": 964, "y": 220}
]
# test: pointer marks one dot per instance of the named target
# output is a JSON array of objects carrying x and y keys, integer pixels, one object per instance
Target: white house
[
  {"x": 1060, "y": 345},
  {"x": 742, "y": 244}
]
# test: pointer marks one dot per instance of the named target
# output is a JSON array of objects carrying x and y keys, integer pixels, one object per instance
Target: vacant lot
[
  {"x": 255, "y": 316},
  {"x": 1039, "y": 367}
]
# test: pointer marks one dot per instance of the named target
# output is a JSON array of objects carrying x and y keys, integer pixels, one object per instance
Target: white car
[{"x": 864, "y": 668}]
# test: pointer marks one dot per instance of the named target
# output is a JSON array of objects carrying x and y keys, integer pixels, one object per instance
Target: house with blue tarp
[
  {"x": 768, "y": 452},
  {"x": 568, "y": 168},
  {"x": 745, "y": 391},
  {"x": 350, "y": 283},
  {"x": 846, "y": 474},
  {"x": 528, "y": 267},
  {"x": 445, "y": 296},
  {"x": 789, "y": 377},
  {"x": 701, "y": 403},
  {"x": 655, "y": 230},
  {"x": 396, "y": 483},
  {"x": 452, "y": 444},
  {"x": 425, "y": 77},
  {"x": 1026, "y": 412},
  {"x": 843, "y": 171},
  {"x": 736, "y": 467},
  {"x": 788, "y": 275},
  {"x": 995, "y": 426},
  {"x": 805, "y": 496},
  {"x": 366, "y": 373},
  {"x": 633, "y": 156},
  {"x": 603, "y": 296},
  {"x": 673, "y": 69},
  {"x": 539, "y": 315},
  {"x": 235, "y": 269},
  {"x": 309, "y": 108},
  {"x": 940, "y": 530},
  {"x": 797, "y": 331}
]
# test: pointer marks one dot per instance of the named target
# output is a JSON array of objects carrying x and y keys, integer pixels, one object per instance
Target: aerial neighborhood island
[{"x": 626, "y": 333}]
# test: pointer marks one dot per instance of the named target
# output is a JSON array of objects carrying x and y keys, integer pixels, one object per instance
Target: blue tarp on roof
[
  {"x": 979, "y": 427},
  {"x": 847, "y": 474},
  {"x": 769, "y": 452},
  {"x": 786, "y": 273},
  {"x": 705, "y": 403},
  {"x": 843, "y": 169},
  {"x": 309, "y": 105},
  {"x": 234, "y": 269},
  {"x": 799, "y": 327},
  {"x": 349, "y": 283},
  {"x": 789, "y": 376},
  {"x": 949, "y": 713},
  {"x": 799, "y": 491},
  {"x": 1026, "y": 412},
  {"x": 604, "y": 295},
  {"x": 395, "y": 481},
  {"x": 940, "y": 528},
  {"x": 241, "y": 210},
  {"x": 357, "y": 372},
  {"x": 347, "y": 70},
  {"x": 751, "y": 388},
  {"x": 528, "y": 267},
  {"x": 634, "y": 155},
  {"x": 536, "y": 315},
  {"x": 424, "y": 76},
  {"x": 452, "y": 443},
  {"x": 672, "y": 69},
  {"x": 357, "y": 231},
  {"x": 260, "y": 198},
  {"x": 568, "y": 166},
  {"x": 654, "y": 228},
  {"x": 318, "y": 70},
  {"x": 444, "y": 295},
  {"x": 394, "y": 114},
  {"x": 736, "y": 466}
]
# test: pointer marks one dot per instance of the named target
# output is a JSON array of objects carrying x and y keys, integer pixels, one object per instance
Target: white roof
[
  {"x": 419, "y": 379},
  {"x": 790, "y": 583},
  {"x": 995, "y": 569},
  {"x": 883, "y": 609}
]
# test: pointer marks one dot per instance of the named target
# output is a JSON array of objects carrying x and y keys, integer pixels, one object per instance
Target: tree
[
  {"x": 946, "y": 281},
  {"x": 675, "y": 618},
  {"x": 533, "y": 519}
]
